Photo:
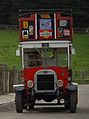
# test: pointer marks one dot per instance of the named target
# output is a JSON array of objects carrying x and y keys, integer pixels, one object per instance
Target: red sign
[{"x": 45, "y": 34}]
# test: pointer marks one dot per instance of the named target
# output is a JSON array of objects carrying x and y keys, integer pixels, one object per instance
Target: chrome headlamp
[
  {"x": 30, "y": 84},
  {"x": 59, "y": 83}
]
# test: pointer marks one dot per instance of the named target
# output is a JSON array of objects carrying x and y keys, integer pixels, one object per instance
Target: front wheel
[
  {"x": 19, "y": 102},
  {"x": 67, "y": 105},
  {"x": 31, "y": 106},
  {"x": 73, "y": 102}
]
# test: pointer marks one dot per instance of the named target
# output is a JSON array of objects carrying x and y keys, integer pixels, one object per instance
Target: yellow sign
[
  {"x": 25, "y": 24},
  {"x": 45, "y": 16}
]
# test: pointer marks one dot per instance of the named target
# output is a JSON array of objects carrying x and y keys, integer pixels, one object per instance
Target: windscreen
[{"x": 46, "y": 57}]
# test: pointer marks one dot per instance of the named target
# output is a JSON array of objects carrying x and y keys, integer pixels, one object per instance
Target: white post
[
  {"x": 68, "y": 57},
  {"x": 36, "y": 26},
  {"x": 3, "y": 81},
  {"x": 55, "y": 25},
  {"x": 7, "y": 82},
  {"x": 22, "y": 57}
]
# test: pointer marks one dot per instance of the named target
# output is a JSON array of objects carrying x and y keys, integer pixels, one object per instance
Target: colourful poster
[
  {"x": 46, "y": 34},
  {"x": 63, "y": 28},
  {"x": 25, "y": 24},
  {"x": 45, "y": 24},
  {"x": 45, "y": 30}
]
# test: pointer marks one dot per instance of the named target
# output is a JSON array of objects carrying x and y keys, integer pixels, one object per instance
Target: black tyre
[
  {"x": 25, "y": 107},
  {"x": 67, "y": 104},
  {"x": 19, "y": 102},
  {"x": 73, "y": 102},
  {"x": 31, "y": 106}
]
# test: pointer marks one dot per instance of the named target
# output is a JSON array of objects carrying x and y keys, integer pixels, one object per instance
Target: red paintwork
[{"x": 28, "y": 73}]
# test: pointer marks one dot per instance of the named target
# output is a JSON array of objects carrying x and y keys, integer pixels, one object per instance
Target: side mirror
[
  {"x": 72, "y": 50},
  {"x": 18, "y": 52}
]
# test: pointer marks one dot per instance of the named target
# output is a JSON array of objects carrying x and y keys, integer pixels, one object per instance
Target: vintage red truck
[{"x": 46, "y": 48}]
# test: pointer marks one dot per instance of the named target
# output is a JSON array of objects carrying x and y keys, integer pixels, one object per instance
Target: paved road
[{"x": 54, "y": 112}]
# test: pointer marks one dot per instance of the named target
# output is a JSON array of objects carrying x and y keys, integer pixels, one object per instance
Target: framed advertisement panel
[
  {"x": 64, "y": 28},
  {"x": 27, "y": 28},
  {"x": 45, "y": 26}
]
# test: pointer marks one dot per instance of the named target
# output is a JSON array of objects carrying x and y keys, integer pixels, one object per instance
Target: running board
[{"x": 49, "y": 104}]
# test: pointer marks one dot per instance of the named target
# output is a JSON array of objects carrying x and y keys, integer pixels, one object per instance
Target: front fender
[
  {"x": 72, "y": 87},
  {"x": 19, "y": 87}
]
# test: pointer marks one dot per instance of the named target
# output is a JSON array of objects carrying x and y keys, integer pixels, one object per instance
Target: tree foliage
[{"x": 9, "y": 9}]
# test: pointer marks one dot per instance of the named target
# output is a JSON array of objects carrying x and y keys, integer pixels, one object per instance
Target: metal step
[{"x": 49, "y": 103}]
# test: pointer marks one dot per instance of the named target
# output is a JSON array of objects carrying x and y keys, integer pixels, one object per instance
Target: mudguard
[
  {"x": 72, "y": 87},
  {"x": 18, "y": 87}
]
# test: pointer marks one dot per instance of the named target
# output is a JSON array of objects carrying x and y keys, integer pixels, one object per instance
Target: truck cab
[{"x": 45, "y": 48}]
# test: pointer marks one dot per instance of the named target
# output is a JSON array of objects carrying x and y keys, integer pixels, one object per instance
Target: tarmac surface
[
  {"x": 7, "y": 101},
  {"x": 46, "y": 112}
]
